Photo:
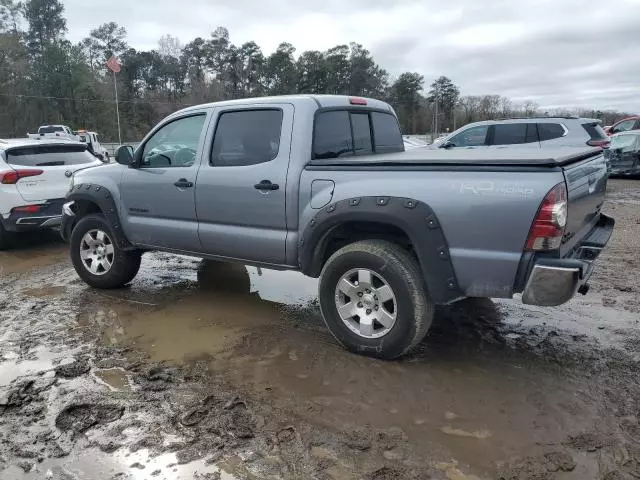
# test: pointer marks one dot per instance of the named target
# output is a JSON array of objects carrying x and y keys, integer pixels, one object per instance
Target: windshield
[{"x": 623, "y": 141}]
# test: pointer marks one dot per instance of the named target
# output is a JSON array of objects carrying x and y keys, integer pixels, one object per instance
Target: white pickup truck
[{"x": 53, "y": 131}]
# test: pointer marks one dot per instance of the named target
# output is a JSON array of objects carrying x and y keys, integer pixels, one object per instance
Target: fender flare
[
  {"x": 103, "y": 198},
  {"x": 415, "y": 218}
]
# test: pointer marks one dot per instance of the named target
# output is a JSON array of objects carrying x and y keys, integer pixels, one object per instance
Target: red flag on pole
[{"x": 113, "y": 64}]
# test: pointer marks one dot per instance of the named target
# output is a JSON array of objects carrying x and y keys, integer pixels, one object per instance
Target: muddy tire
[
  {"x": 6, "y": 238},
  {"x": 96, "y": 257},
  {"x": 373, "y": 299}
]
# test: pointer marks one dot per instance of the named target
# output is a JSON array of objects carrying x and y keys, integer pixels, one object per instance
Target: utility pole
[
  {"x": 435, "y": 133},
  {"x": 114, "y": 66}
]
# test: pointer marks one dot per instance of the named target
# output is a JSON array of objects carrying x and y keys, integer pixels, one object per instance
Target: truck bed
[{"x": 491, "y": 157}]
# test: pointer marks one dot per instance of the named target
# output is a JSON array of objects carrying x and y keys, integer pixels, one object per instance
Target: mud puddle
[
  {"x": 486, "y": 373},
  {"x": 141, "y": 465}
]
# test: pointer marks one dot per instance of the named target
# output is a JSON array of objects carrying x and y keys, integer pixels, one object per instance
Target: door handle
[
  {"x": 183, "y": 183},
  {"x": 266, "y": 185}
]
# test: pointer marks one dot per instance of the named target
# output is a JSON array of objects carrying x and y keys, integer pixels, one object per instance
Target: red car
[{"x": 631, "y": 123}]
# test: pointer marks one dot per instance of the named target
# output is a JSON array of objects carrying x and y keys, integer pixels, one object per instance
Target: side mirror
[
  {"x": 447, "y": 145},
  {"x": 124, "y": 155}
]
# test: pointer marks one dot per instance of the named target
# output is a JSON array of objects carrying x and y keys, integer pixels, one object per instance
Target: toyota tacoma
[{"x": 322, "y": 184}]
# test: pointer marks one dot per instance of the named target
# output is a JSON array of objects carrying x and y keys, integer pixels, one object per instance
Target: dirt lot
[{"x": 203, "y": 371}]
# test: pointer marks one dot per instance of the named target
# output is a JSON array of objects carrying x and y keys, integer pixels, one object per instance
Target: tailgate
[
  {"x": 586, "y": 188},
  {"x": 51, "y": 168}
]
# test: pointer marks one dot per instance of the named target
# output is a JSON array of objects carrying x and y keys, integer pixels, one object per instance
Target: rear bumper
[
  {"x": 48, "y": 216},
  {"x": 554, "y": 281}
]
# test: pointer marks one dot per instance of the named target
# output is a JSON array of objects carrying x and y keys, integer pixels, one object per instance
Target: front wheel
[
  {"x": 96, "y": 257},
  {"x": 373, "y": 299}
]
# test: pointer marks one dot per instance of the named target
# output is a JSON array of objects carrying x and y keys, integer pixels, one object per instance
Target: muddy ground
[{"x": 204, "y": 371}]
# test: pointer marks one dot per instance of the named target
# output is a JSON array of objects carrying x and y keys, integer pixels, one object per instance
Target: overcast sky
[{"x": 558, "y": 53}]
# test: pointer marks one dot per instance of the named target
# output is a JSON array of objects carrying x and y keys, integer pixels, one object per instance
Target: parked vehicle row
[
  {"x": 323, "y": 185},
  {"x": 530, "y": 132}
]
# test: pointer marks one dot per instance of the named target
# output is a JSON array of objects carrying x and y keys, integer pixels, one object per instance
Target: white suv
[
  {"x": 530, "y": 132},
  {"x": 34, "y": 178}
]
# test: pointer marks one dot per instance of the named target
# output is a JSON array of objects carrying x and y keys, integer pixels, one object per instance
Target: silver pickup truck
[{"x": 322, "y": 184}]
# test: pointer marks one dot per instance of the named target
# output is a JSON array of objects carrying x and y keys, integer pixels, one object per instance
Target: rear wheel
[
  {"x": 96, "y": 257},
  {"x": 373, "y": 299},
  {"x": 5, "y": 238}
]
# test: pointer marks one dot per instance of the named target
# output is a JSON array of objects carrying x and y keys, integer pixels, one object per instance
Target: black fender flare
[
  {"x": 104, "y": 199},
  {"x": 415, "y": 218}
]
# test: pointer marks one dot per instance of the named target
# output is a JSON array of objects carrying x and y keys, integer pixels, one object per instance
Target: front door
[
  {"x": 241, "y": 190},
  {"x": 158, "y": 197}
]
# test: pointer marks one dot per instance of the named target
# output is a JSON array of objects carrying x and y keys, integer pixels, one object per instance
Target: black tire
[
  {"x": 400, "y": 269},
  {"x": 6, "y": 238},
  {"x": 125, "y": 264}
]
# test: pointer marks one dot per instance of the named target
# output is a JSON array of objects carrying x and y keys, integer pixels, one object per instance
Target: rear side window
[
  {"x": 514, "y": 133},
  {"x": 595, "y": 131},
  {"x": 246, "y": 137},
  {"x": 48, "y": 156},
  {"x": 549, "y": 131},
  {"x": 386, "y": 133},
  {"x": 340, "y": 133}
]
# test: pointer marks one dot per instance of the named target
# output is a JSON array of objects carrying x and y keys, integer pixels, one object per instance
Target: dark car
[{"x": 623, "y": 156}]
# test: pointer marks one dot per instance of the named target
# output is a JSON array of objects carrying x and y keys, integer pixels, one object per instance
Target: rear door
[
  {"x": 52, "y": 166},
  {"x": 241, "y": 189}
]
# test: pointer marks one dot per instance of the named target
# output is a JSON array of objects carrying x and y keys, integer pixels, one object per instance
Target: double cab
[{"x": 322, "y": 185}]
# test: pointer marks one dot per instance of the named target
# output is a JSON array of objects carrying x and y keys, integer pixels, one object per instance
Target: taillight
[
  {"x": 12, "y": 177},
  {"x": 26, "y": 209},
  {"x": 548, "y": 226},
  {"x": 599, "y": 143},
  {"x": 357, "y": 101}
]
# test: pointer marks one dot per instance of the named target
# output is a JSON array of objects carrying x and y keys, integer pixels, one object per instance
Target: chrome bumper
[
  {"x": 554, "y": 281},
  {"x": 549, "y": 286}
]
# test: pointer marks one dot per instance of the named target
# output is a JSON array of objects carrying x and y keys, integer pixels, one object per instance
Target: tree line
[{"x": 46, "y": 79}]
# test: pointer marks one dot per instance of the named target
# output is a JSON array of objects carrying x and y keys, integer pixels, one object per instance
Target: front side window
[
  {"x": 246, "y": 137},
  {"x": 624, "y": 126},
  {"x": 471, "y": 137},
  {"x": 175, "y": 144}
]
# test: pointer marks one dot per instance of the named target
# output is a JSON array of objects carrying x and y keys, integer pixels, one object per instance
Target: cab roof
[{"x": 321, "y": 101}]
